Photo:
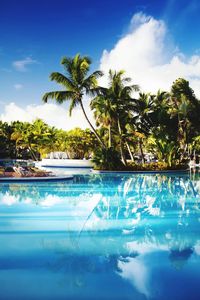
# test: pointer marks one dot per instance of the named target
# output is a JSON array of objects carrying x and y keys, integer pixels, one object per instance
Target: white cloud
[
  {"x": 148, "y": 56},
  {"x": 21, "y": 65},
  {"x": 8, "y": 199},
  {"x": 136, "y": 273},
  {"x": 52, "y": 114},
  {"x": 51, "y": 200},
  {"x": 18, "y": 86}
]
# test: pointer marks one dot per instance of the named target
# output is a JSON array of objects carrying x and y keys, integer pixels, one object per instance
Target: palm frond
[
  {"x": 87, "y": 59},
  {"x": 66, "y": 62},
  {"x": 91, "y": 81},
  {"x": 72, "y": 106},
  {"x": 59, "y": 96},
  {"x": 98, "y": 91},
  {"x": 63, "y": 80}
]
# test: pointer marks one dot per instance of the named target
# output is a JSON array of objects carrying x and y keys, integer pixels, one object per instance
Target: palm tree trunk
[
  {"x": 110, "y": 139},
  {"x": 32, "y": 154},
  {"x": 120, "y": 145},
  {"x": 141, "y": 151},
  {"x": 93, "y": 129},
  {"x": 129, "y": 151},
  {"x": 185, "y": 139}
]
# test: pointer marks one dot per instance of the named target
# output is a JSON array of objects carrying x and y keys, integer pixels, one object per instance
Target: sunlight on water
[{"x": 116, "y": 236}]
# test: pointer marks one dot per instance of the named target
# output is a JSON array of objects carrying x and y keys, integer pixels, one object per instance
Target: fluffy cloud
[
  {"x": 136, "y": 273},
  {"x": 52, "y": 114},
  {"x": 21, "y": 65},
  {"x": 145, "y": 52},
  {"x": 148, "y": 56},
  {"x": 8, "y": 199}
]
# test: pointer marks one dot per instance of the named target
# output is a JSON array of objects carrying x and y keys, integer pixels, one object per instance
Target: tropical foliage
[
  {"x": 35, "y": 140},
  {"x": 166, "y": 125},
  {"x": 131, "y": 126},
  {"x": 76, "y": 83},
  {"x": 107, "y": 159}
]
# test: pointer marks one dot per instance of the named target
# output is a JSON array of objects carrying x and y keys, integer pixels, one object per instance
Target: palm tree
[
  {"x": 35, "y": 137},
  {"x": 7, "y": 146},
  {"x": 121, "y": 94},
  {"x": 164, "y": 148},
  {"x": 185, "y": 107},
  {"x": 143, "y": 109},
  {"x": 43, "y": 136},
  {"x": 115, "y": 103},
  {"x": 76, "y": 83},
  {"x": 104, "y": 113},
  {"x": 24, "y": 137}
]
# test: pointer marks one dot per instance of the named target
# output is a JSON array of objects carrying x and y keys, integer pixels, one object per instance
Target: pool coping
[
  {"x": 37, "y": 179},
  {"x": 140, "y": 172}
]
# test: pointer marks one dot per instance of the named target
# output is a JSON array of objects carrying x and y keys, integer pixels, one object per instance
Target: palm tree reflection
[{"x": 162, "y": 210}]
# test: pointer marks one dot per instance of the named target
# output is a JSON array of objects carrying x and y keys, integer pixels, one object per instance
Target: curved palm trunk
[
  {"x": 182, "y": 138},
  {"x": 129, "y": 150},
  {"x": 93, "y": 129},
  {"x": 121, "y": 145},
  {"x": 185, "y": 132}
]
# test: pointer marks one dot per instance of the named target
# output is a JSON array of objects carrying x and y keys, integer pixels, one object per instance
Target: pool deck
[{"x": 37, "y": 179}]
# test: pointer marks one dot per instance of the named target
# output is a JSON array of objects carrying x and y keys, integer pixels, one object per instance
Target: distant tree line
[{"x": 25, "y": 140}]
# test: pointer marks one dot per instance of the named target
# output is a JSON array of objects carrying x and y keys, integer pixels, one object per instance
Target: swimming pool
[{"x": 111, "y": 236}]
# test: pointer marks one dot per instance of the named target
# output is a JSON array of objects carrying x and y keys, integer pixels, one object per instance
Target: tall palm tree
[
  {"x": 104, "y": 113},
  {"x": 76, "y": 82},
  {"x": 117, "y": 103},
  {"x": 184, "y": 106},
  {"x": 143, "y": 109}
]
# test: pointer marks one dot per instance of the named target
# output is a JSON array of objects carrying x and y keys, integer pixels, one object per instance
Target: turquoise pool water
[{"x": 99, "y": 237}]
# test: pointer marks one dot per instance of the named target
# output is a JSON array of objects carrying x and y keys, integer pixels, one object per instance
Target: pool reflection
[{"x": 138, "y": 233}]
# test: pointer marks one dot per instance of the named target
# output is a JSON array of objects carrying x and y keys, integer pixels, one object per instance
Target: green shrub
[
  {"x": 156, "y": 166},
  {"x": 107, "y": 159}
]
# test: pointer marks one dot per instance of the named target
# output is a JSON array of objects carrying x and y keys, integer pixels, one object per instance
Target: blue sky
[{"x": 35, "y": 34}]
